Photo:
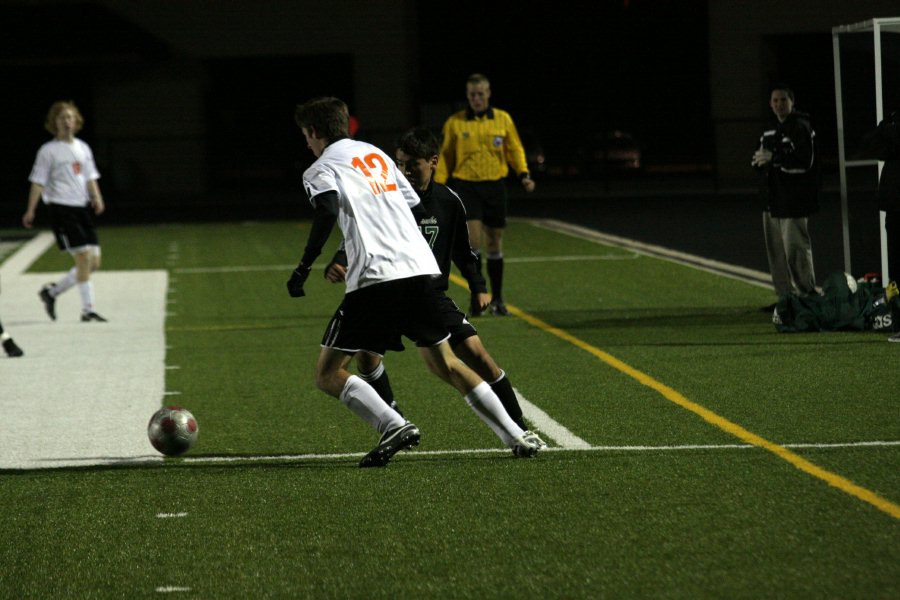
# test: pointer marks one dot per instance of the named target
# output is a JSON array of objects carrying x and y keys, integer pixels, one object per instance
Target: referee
[{"x": 480, "y": 145}]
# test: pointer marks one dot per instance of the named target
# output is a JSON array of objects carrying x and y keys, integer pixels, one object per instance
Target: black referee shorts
[{"x": 485, "y": 201}]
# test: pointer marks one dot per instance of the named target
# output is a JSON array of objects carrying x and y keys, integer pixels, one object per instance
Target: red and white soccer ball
[{"x": 172, "y": 430}]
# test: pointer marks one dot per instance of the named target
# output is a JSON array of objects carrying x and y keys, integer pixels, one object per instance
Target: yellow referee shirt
[{"x": 480, "y": 148}]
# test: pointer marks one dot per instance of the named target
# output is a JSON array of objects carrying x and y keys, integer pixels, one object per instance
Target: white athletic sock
[
  {"x": 67, "y": 281},
  {"x": 364, "y": 401},
  {"x": 5, "y": 336},
  {"x": 86, "y": 289},
  {"x": 489, "y": 409}
]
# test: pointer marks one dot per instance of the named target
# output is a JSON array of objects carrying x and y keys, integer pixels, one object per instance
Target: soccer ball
[{"x": 172, "y": 430}]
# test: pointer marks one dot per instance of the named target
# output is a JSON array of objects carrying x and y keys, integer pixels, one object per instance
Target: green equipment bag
[{"x": 839, "y": 308}]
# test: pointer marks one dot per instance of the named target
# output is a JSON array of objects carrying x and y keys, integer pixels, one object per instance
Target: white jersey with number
[
  {"x": 63, "y": 169},
  {"x": 381, "y": 237}
]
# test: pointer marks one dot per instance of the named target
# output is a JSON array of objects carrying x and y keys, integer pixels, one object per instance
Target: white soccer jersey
[
  {"x": 64, "y": 169},
  {"x": 381, "y": 236}
]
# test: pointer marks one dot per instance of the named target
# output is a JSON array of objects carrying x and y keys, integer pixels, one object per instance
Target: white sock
[
  {"x": 67, "y": 281},
  {"x": 364, "y": 401},
  {"x": 86, "y": 289},
  {"x": 5, "y": 336},
  {"x": 489, "y": 409}
]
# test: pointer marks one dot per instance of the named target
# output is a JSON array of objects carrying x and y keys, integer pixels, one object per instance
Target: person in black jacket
[
  {"x": 442, "y": 220},
  {"x": 789, "y": 188}
]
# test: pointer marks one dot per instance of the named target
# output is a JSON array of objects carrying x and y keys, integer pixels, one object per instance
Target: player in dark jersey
[{"x": 442, "y": 220}]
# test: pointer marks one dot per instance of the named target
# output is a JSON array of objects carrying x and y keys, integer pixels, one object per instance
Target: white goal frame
[{"x": 876, "y": 26}]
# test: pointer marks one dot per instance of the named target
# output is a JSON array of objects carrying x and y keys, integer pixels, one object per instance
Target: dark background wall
[{"x": 190, "y": 102}]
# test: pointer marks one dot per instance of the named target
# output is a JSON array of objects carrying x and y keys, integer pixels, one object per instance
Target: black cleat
[
  {"x": 91, "y": 316},
  {"x": 498, "y": 309},
  {"x": 403, "y": 437},
  {"x": 48, "y": 300},
  {"x": 11, "y": 349}
]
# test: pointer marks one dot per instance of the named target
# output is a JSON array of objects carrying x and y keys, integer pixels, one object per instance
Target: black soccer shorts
[
  {"x": 73, "y": 226},
  {"x": 375, "y": 317},
  {"x": 485, "y": 201}
]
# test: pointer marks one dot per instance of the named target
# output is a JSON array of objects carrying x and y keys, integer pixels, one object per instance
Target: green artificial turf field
[{"x": 699, "y": 454}]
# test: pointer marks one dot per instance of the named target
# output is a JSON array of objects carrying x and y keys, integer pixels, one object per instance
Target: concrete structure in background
[{"x": 160, "y": 138}]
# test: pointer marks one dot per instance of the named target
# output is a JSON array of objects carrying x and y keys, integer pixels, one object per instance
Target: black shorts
[
  {"x": 455, "y": 321},
  {"x": 73, "y": 226},
  {"x": 374, "y": 318},
  {"x": 485, "y": 201}
]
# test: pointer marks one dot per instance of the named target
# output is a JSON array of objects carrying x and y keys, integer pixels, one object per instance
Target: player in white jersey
[
  {"x": 65, "y": 177},
  {"x": 389, "y": 291}
]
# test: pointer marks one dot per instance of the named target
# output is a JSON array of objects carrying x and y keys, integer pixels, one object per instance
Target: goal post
[{"x": 886, "y": 83}]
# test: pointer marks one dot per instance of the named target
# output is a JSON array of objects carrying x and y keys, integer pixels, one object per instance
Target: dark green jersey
[{"x": 442, "y": 220}]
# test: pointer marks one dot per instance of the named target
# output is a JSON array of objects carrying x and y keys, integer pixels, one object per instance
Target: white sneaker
[
  {"x": 895, "y": 337},
  {"x": 534, "y": 438},
  {"x": 522, "y": 447}
]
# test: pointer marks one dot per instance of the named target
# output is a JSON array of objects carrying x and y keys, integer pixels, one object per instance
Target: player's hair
[
  {"x": 58, "y": 107},
  {"x": 329, "y": 116},
  {"x": 476, "y": 78},
  {"x": 783, "y": 87},
  {"x": 419, "y": 143}
]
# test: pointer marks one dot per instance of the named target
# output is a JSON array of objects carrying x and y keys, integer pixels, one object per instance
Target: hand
[
  {"x": 298, "y": 278},
  {"x": 99, "y": 206},
  {"x": 528, "y": 184},
  {"x": 483, "y": 299},
  {"x": 336, "y": 273},
  {"x": 28, "y": 219},
  {"x": 761, "y": 158}
]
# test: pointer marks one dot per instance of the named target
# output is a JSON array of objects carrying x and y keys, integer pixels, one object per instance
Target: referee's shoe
[{"x": 392, "y": 442}]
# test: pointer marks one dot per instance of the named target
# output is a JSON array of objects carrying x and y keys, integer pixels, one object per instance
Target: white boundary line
[
  {"x": 549, "y": 426},
  {"x": 751, "y": 276},
  {"x": 474, "y": 451},
  {"x": 25, "y": 256}
]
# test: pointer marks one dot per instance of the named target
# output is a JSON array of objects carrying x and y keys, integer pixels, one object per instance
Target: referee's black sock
[{"x": 495, "y": 274}]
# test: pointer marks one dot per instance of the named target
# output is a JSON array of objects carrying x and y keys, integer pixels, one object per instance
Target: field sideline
[{"x": 650, "y": 499}]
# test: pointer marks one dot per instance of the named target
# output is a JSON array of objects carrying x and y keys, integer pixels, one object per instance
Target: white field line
[
  {"x": 83, "y": 392},
  {"x": 751, "y": 276},
  {"x": 547, "y": 425},
  {"x": 514, "y": 259},
  {"x": 178, "y": 515},
  {"x": 19, "y": 262},
  {"x": 168, "y": 589},
  {"x": 476, "y": 451}
]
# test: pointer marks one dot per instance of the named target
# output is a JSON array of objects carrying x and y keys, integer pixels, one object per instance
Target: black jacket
[
  {"x": 789, "y": 184},
  {"x": 884, "y": 144}
]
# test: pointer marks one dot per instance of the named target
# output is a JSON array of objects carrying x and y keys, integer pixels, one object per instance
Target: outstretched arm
[{"x": 323, "y": 222}]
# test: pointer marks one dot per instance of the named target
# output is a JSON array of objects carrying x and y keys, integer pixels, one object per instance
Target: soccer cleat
[
  {"x": 894, "y": 338},
  {"x": 91, "y": 316},
  {"x": 11, "y": 349},
  {"x": 498, "y": 309},
  {"x": 403, "y": 437},
  {"x": 48, "y": 300},
  {"x": 524, "y": 448},
  {"x": 530, "y": 436}
]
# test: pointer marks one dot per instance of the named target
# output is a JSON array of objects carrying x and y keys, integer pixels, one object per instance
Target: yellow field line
[{"x": 832, "y": 479}]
